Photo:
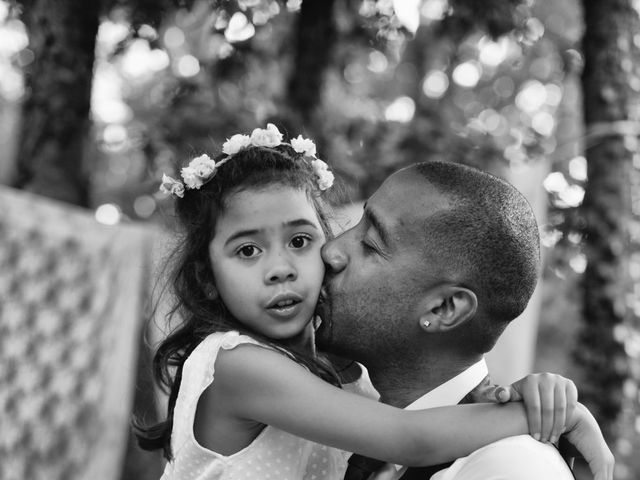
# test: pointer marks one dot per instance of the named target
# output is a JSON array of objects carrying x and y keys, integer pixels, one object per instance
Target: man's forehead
[{"x": 407, "y": 196}]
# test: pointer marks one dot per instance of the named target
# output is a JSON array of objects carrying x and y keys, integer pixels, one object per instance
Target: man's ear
[{"x": 446, "y": 307}]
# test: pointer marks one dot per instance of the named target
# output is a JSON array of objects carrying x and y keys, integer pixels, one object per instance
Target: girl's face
[{"x": 265, "y": 256}]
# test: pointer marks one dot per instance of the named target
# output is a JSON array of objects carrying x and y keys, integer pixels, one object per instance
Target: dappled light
[
  {"x": 108, "y": 214},
  {"x": 505, "y": 86}
]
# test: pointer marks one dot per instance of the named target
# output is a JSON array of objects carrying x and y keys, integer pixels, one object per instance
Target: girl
[{"x": 249, "y": 395}]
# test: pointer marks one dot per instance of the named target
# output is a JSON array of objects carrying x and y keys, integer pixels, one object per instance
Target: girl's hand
[
  {"x": 549, "y": 401},
  {"x": 583, "y": 432}
]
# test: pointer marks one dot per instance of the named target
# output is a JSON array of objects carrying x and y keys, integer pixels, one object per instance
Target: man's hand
[{"x": 584, "y": 433}]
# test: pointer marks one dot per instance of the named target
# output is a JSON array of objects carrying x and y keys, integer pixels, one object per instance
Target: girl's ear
[
  {"x": 211, "y": 291},
  {"x": 205, "y": 280},
  {"x": 446, "y": 307}
]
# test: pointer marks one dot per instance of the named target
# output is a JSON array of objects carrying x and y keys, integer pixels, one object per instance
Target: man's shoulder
[{"x": 513, "y": 458}]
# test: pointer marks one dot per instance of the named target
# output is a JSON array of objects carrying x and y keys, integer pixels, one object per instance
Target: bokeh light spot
[
  {"x": 111, "y": 33},
  {"x": 408, "y": 13},
  {"x": 140, "y": 60},
  {"x": 108, "y": 214},
  {"x": 504, "y": 87},
  {"x": 173, "y": 37},
  {"x": 578, "y": 168},
  {"x": 493, "y": 53},
  {"x": 531, "y": 96},
  {"x": 555, "y": 182},
  {"x": 401, "y": 110},
  {"x": 434, "y": 9},
  {"x": 144, "y": 206},
  {"x": 493, "y": 122},
  {"x": 188, "y": 66},
  {"x": 111, "y": 110},
  {"x": 239, "y": 28},
  {"x": 11, "y": 83},
  {"x": 14, "y": 37},
  {"x": 148, "y": 32},
  {"x": 378, "y": 62},
  {"x": 467, "y": 74},
  {"x": 543, "y": 123},
  {"x": 4, "y": 11},
  {"x": 294, "y": 5},
  {"x": 572, "y": 196},
  {"x": 535, "y": 29},
  {"x": 354, "y": 73},
  {"x": 435, "y": 84},
  {"x": 114, "y": 134},
  {"x": 578, "y": 263},
  {"x": 554, "y": 94}
]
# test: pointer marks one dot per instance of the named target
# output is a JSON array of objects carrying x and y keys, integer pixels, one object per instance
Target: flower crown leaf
[{"x": 202, "y": 169}]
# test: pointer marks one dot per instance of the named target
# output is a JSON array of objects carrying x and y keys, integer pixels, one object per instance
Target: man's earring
[{"x": 424, "y": 323}]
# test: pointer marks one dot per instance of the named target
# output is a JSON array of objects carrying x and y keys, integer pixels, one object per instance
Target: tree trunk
[
  {"x": 611, "y": 86},
  {"x": 315, "y": 38},
  {"x": 55, "y": 121}
]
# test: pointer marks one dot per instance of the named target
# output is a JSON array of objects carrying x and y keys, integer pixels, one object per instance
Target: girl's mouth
[{"x": 285, "y": 306}]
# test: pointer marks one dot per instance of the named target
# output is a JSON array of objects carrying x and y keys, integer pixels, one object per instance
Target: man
[{"x": 444, "y": 257}]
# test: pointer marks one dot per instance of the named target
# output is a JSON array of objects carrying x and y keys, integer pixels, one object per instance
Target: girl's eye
[
  {"x": 299, "y": 241},
  {"x": 248, "y": 251}
]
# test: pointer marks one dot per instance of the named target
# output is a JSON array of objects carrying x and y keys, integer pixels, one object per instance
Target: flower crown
[{"x": 203, "y": 168}]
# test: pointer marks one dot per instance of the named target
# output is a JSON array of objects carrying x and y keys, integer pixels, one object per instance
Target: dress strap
[{"x": 197, "y": 374}]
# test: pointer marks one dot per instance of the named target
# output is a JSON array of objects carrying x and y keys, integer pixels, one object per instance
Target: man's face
[{"x": 376, "y": 271}]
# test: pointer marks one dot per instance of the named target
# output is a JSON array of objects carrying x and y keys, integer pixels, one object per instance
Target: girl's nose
[
  {"x": 334, "y": 256},
  {"x": 281, "y": 269}
]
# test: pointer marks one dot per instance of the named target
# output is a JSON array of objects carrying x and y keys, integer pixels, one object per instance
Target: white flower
[
  {"x": 269, "y": 137},
  {"x": 325, "y": 177},
  {"x": 304, "y": 146},
  {"x": 191, "y": 178},
  {"x": 171, "y": 186},
  {"x": 236, "y": 143},
  {"x": 204, "y": 166}
]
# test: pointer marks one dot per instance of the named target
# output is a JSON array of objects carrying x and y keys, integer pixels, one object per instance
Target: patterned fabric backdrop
[{"x": 71, "y": 298}]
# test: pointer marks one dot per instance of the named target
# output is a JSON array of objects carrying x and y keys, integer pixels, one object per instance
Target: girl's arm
[{"x": 264, "y": 386}]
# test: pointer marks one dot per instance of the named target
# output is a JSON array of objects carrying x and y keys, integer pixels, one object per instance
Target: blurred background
[{"x": 97, "y": 99}]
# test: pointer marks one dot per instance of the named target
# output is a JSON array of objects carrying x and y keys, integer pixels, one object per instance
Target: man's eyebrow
[
  {"x": 300, "y": 222},
  {"x": 373, "y": 218}
]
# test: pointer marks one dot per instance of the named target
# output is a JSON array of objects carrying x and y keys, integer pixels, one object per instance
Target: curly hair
[{"x": 191, "y": 276}]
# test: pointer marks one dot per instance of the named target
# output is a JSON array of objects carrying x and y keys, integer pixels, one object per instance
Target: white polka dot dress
[{"x": 273, "y": 455}]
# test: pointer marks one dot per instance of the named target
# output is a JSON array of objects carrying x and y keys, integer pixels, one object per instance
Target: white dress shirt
[{"x": 513, "y": 458}]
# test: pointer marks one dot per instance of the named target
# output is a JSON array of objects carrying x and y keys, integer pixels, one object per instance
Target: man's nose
[
  {"x": 334, "y": 255},
  {"x": 281, "y": 268}
]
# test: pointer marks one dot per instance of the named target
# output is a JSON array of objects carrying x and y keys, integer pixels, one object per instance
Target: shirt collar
[{"x": 454, "y": 390}]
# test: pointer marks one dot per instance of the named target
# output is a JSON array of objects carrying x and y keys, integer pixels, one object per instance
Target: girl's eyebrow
[{"x": 300, "y": 222}]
